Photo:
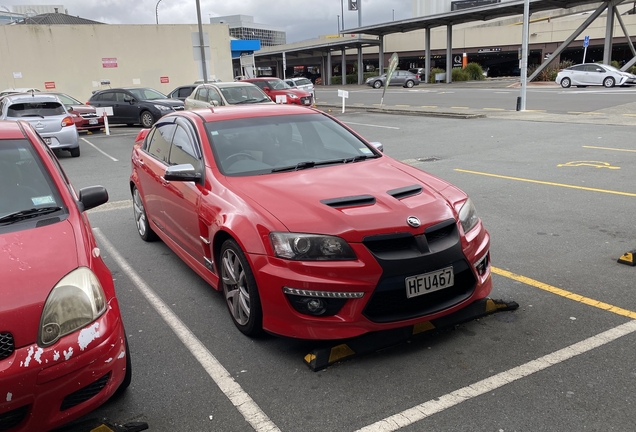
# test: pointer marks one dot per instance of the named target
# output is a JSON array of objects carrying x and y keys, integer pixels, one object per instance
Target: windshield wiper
[
  {"x": 252, "y": 100},
  {"x": 298, "y": 166},
  {"x": 26, "y": 214},
  {"x": 311, "y": 164}
]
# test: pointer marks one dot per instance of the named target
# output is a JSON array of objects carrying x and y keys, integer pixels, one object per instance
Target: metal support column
[
  {"x": 327, "y": 72},
  {"x": 381, "y": 54},
  {"x": 360, "y": 67},
  {"x": 609, "y": 33},
  {"x": 343, "y": 67},
  {"x": 449, "y": 53},
  {"x": 629, "y": 39},
  {"x": 427, "y": 56}
]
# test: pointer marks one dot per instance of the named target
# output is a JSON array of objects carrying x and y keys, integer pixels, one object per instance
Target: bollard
[{"x": 518, "y": 103}]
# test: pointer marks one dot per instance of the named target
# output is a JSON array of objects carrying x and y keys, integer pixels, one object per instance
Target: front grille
[
  {"x": 88, "y": 115},
  {"x": 7, "y": 345},
  {"x": 13, "y": 418},
  {"x": 306, "y": 100},
  {"x": 179, "y": 108},
  {"x": 403, "y": 255},
  {"x": 84, "y": 394}
]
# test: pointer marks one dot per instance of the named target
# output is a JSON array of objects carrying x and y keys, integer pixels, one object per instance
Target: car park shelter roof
[
  {"x": 479, "y": 13},
  {"x": 335, "y": 44}
]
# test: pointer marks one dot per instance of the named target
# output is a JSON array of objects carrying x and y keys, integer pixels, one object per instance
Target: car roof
[
  {"x": 11, "y": 130},
  {"x": 35, "y": 97},
  {"x": 260, "y": 79},
  {"x": 20, "y": 90},
  {"x": 235, "y": 112}
]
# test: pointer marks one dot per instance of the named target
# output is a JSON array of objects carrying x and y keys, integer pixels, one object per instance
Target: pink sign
[
  {"x": 109, "y": 62},
  {"x": 164, "y": 80},
  {"x": 49, "y": 85}
]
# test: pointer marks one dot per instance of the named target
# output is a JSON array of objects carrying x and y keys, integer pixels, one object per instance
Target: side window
[
  {"x": 185, "y": 92},
  {"x": 214, "y": 95},
  {"x": 159, "y": 146},
  {"x": 202, "y": 94},
  {"x": 120, "y": 96},
  {"x": 183, "y": 151},
  {"x": 107, "y": 97}
]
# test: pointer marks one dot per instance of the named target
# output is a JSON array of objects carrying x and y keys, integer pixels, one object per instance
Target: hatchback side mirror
[
  {"x": 378, "y": 146},
  {"x": 92, "y": 196}
]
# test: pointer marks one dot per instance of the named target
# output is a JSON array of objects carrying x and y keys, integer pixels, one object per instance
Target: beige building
[{"x": 77, "y": 59}]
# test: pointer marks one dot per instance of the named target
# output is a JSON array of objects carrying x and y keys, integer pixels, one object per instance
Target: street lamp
[
  {"x": 338, "y": 25},
  {"x": 157, "y": 12}
]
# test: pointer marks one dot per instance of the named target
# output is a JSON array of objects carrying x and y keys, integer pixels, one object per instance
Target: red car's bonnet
[
  {"x": 32, "y": 262},
  {"x": 300, "y": 206}
]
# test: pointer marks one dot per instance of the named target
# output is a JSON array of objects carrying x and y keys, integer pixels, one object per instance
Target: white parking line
[
  {"x": 370, "y": 125},
  {"x": 427, "y": 409},
  {"x": 239, "y": 398},
  {"x": 113, "y": 205},
  {"x": 99, "y": 150}
]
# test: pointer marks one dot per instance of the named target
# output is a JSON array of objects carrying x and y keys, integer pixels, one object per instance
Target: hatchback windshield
[
  {"x": 283, "y": 143},
  {"x": 27, "y": 189},
  {"x": 35, "y": 109},
  {"x": 277, "y": 84},
  {"x": 147, "y": 94}
]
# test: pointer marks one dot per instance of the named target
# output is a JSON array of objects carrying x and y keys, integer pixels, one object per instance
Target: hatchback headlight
[
  {"x": 163, "y": 108},
  {"x": 310, "y": 247},
  {"x": 292, "y": 96},
  {"x": 77, "y": 300},
  {"x": 468, "y": 216}
]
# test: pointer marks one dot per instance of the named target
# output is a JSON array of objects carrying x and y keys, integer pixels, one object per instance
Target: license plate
[
  {"x": 92, "y": 121},
  {"x": 429, "y": 282},
  {"x": 47, "y": 141}
]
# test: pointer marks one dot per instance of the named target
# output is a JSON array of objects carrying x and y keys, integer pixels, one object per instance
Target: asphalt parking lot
[{"x": 558, "y": 199}]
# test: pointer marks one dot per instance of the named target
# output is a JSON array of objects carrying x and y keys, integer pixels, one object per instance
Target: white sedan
[{"x": 589, "y": 74}]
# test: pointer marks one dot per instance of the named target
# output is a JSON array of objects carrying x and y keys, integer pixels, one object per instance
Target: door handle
[{"x": 164, "y": 182}]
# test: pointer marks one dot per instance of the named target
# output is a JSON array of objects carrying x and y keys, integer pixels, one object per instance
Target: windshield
[
  {"x": 67, "y": 100},
  {"x": 244, "y": 94},
  {"x": 277, "y": 84},
  {"x": 35, "y": 109},
  {"x": 25, "y": 184},
  {"x": 263, "y": 145},
  {"x": 147, "y": 94}
]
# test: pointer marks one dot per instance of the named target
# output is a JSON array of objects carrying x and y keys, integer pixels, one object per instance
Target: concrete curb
[{"x": 402, "y": 111}]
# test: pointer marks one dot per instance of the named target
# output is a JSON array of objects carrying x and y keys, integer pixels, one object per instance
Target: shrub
[
  {"x": 434, "y": 71},
  {"x": 474, "y": 71},
  {"x": 460, "y": 74},
  {"x": 550, "y": 72}
]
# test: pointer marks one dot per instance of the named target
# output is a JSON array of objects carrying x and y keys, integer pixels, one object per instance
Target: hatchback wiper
[
  {"x": 298, "y": 166},
  {"x": 311, "y": 164},
  {"x": 26, "y": 214},
  {"x": 252, "y": 100}
]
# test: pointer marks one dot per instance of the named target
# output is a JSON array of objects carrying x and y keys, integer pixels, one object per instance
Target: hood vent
[
  {"x": 405, "y": 192},
  {"x": 352, "y": 201},
  {"x": 48, "y": 221}
]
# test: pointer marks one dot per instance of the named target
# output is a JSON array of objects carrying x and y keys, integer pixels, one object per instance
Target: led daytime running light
[{"x": 322, "y": 294}]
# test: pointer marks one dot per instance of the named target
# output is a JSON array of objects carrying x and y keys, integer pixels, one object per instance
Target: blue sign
[{"x": 586, "y": 41}]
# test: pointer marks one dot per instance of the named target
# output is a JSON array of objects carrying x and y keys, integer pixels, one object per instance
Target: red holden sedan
[
  {"x": 274, "y": 87},
  {"x": 84, "y": 116},
  {"x": 309, "y": 230},
  {"x": 63, "y": 349}
]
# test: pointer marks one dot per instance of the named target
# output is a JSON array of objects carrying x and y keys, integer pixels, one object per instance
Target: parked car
[
  {"x": 403, "y": 78},
  {"x": 226, "y": 93},
  {"x": 84, "y": 116},
  {"x": 63, "y": 349},
  {"x": 588, "y": 74},
  {"x": 18, "y": 90},
  {"x": 135, "y": 105},
  {"x": 301, "y": 83},
  {"x": 309, "y": 230},
  {"x": 47, "y": 114},
  {"x": 420, "y": 72},
  {"x": 277, "y": 87},
  {"x": 182, "y": 92}
]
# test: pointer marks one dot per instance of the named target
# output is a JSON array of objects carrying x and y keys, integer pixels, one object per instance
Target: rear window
[
  {"x": 35, "y": 109},
  {"x": 303, "y": 81}
]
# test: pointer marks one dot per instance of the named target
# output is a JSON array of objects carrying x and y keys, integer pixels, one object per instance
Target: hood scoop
[
  {"x": 351, "y": 201},
  {"x": 405, "y": 192}
]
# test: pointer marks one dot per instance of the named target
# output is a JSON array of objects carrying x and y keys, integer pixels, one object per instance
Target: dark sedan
[{"x": 136, "y": 105}]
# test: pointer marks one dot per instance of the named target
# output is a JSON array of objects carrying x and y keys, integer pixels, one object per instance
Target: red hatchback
[
  {"x": 63, "y": 349},
  {"x": 275, "y": 87},
  {"x": 309, "y": 230}
]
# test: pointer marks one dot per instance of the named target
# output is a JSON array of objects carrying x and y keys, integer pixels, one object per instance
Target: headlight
[
  {"x": 292, "y": 96},
  {"x": 468, "y": 216},
  {"x": 78, "y": 299},
  {"x": 163, "y": 108},
  {"x": 310, "y": 247}
]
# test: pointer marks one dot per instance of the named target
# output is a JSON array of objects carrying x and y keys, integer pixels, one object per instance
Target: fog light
[
  {"x": 315, "y": 306},
  {"x": 482, "y": 265}
]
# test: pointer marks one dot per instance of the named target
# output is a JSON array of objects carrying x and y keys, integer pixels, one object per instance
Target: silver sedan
[
  {"x": 404, "y": 78},
  {"x": 589, "y": 74}
]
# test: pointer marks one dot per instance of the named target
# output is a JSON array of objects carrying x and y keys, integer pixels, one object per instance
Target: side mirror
[
  {"x": 182, "y": 172},
  {"x": 266, "y": 89},
  {"x": 214, "y": 102},
  {"x": 92, "y": 196},
  {"x": 70, "y": 109},
  {"x": 129, "y": 100},
  {"x": 378, "y": 146}
]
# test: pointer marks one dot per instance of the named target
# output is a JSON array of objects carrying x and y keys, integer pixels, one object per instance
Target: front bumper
[
  {"x": 380, "y": 276},
  {"x": 44, "y": 388}
]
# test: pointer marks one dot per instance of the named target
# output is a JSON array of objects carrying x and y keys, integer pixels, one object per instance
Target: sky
[{"x": 301, "y": 19}]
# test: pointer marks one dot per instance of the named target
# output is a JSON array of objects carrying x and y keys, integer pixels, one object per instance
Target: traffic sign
[{"x": 586, "y": 41}]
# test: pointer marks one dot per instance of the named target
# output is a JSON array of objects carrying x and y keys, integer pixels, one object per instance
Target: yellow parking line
[
  {"x": 494, "y": 109},
  {"x": 563, "y": 293},
  {"x": 429, "y": 106},
  {"x": 548, "y": 183},
  {"x": 630, "y": 115},
  {"x": 403, "y": 105},
  {"x": 610, "y": 148},
  {"x": 576, "y": 112},
  {"x": 535, "y": 111},
  {"x": 460, "y": 107}
]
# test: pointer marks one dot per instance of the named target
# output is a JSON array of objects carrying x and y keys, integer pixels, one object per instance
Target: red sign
[
  {"x": 49, "y": 85},
  {"x": 110, "y": 62},
  {"x": 164, "y": 80}
]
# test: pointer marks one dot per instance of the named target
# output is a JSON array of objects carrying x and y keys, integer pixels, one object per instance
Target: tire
[
  {"x": 239, "y": 290},
  {"x": 128, "y": 376},
  {"x": 609, "y": 82},
  {"x": 409, "y": 84},
  {"x": 146, "y": 119},
  {"x": 141, "y": 218},
  {"x": 566, "y": 83},
  {"x": 75, "y": 152},
  {"x": 377, "y": 84}
]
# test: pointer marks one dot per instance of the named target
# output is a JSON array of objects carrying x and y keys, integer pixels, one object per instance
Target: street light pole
[
  {"x": 338, "y": 25},
  {"x": 203, "y": 65},
  {"x": 342, "y": 12},
  {"x": 157, "y": 12}
]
